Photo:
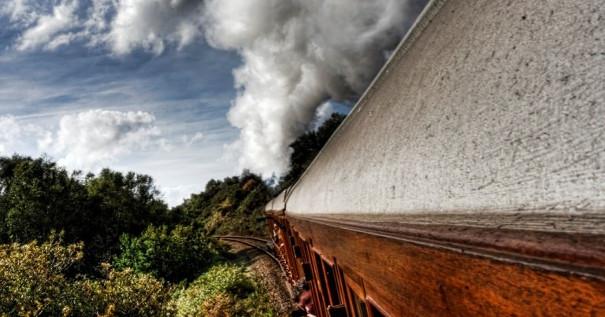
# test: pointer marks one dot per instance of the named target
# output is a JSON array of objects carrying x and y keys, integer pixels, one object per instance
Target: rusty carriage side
[{"x": 351, "y": 271}]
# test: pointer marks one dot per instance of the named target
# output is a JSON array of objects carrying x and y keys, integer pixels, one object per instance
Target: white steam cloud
[{"x": 297, "y": 54}]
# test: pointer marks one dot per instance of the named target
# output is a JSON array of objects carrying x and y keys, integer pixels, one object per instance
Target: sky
[
  {"x": 184, "y": 90},
  {"x": 184, "y": 97}
]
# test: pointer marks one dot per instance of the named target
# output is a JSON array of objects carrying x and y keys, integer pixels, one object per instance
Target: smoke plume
[{"x": 297, "y": 54}]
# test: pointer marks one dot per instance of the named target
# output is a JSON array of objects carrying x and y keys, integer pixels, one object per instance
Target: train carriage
[{"x": 469, "y": 179}]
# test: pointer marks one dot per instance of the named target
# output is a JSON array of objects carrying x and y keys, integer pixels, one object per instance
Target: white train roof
[{"x": 485, "y": 107}]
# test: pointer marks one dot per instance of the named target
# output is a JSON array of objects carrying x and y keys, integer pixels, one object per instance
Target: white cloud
[
  {"x": 297, "y": 54},
  {"x": 95, "y": 138},
  {"x": 10, "y": 133},
  {"x": 128, "y": 140},
  {"x": 174, "y": 196},
  {"x": 47, "y": 30},
  {"x": 152, "y": 24},
  {"x": 19, "y": 137},
  {"x": 122, "y": 25},
  {"x": 18, "y": 11},
  {"x": 190, "y": 140}
]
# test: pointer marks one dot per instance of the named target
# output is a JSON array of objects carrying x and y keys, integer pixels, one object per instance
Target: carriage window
[
  {"x": 331, "y": 279},
  {"x": 337, "y": 311},
  {"x": 375, "y": 311},
  {"x": 321, "y": 278},
  {"x": 358, "y": 306},
  {"x": 307, "y": 271}
]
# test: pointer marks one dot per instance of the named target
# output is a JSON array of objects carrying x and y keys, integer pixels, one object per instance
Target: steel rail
[
  {"x": 246, "y": 237},
  {"x": 242, "y": 240}
]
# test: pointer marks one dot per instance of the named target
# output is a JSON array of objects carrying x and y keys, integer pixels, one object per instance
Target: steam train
[{"x": 469, "y": 179}]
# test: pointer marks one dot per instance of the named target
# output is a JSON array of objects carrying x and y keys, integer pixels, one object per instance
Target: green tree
[
  {"x": 32, "y": 277},
  {"x": 122, "y": 204},
  {"x": 34, "y": 281},
  {"x": 129, "y": 202},
  {"x": 232, "y": 205},
  {"x": 37, "y": 197},
  {"x": 305, "y": 149}
]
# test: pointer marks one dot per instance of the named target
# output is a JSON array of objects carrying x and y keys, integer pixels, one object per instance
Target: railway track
[
  {"x": 267, "y": 247},
  {"x": 251, "y": 241}
]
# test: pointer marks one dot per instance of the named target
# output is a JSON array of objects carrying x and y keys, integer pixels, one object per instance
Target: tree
[
  {"x": 305, "y": 149},
  {"x": 121, "y": 204},
  {"x": 232, "y": 205},
  {"x": 35, "y": 282},
  {"x": 37, "y": 197}
]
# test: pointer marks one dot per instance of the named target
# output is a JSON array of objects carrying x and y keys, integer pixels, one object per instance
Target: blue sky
[
  {"x": 184, "y": 90},
  {"x": 188, "y": 91}
]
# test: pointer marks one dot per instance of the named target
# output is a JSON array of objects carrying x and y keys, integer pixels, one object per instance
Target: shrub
[
  {"x": 223, "y": 291},
  {"x": 181, "y": 253},
  {"x": 32, "y": 279},
  {"x": 33, "y": 282},
  {"x": 121, "y": 293}
]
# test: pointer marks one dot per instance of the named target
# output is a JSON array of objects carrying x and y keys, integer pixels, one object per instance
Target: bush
[
  {"x": 182, "y": 253},
  {"x": 121, "y": 293},
  {"x": 34, "y": 282},
  {"x": 32, "y": 277},
  {"x": 223, "y": 291}
]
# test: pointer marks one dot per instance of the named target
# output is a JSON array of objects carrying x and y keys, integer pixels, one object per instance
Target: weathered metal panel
[{"x": 491, "y": 106}]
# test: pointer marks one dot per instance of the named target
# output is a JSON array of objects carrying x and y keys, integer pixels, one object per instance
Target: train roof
[
  {"x": 497, "y": 111},
  {"x": 277, "y": 204}
]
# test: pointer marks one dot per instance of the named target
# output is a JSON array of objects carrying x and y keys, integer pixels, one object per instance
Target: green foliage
[
  {"x": 225, "y": 290},
  {"x": 121, "y": 293},
  {"x": 122, "y": 204},
  {"x": 233, "y": 205},
  {"x": 130, "y": 200},
  {"x": 32, "y": 277},
  {"x": 177, "y": 254},
  {"x": 305, "y": 148},
  {"x": 37, "y": 197},
  {"x": 35, "y": 282}
]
